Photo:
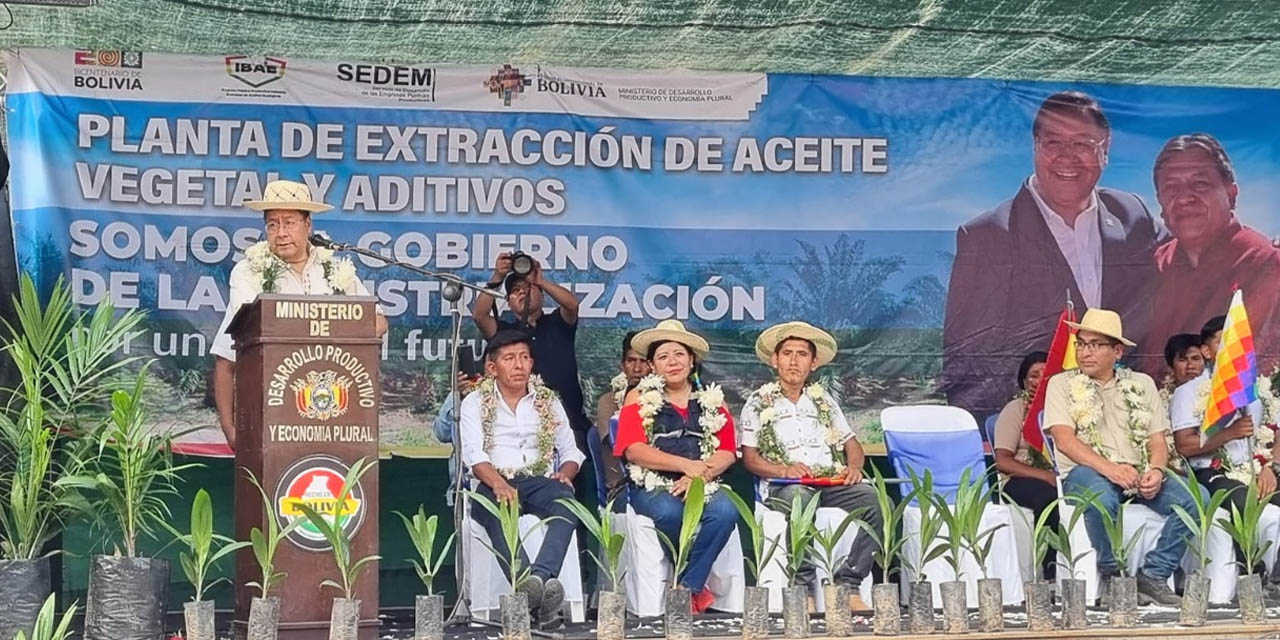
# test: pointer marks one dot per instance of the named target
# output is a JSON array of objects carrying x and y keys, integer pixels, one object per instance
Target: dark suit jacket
[{"x": 1010, "y": 281}]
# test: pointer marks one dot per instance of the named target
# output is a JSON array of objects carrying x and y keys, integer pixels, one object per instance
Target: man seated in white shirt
[
  {"x": 797, "y": 433},
  {"x": 517, "y": 443},
  {"x": 283, "y": 263},
  {"x": 1226, "y": 459}
]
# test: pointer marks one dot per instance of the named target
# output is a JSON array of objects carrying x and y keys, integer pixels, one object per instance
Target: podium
[{"x": 306, "y": 409}]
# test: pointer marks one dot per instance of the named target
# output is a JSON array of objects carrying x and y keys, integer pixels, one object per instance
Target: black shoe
[
  {"x": 532, "y": 590},
  {"x": 1152, "y": 591},
  {"x": 552, "y": 601}
]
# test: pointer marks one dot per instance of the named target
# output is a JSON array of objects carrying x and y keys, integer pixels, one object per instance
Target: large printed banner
[{"x": 936, "y": 226}]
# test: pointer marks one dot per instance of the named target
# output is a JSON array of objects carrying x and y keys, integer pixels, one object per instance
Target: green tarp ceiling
[{"x": 1223, "y": 42}]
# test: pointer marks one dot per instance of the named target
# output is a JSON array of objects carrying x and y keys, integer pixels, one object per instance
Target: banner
[{"x": 901, "y": 214}]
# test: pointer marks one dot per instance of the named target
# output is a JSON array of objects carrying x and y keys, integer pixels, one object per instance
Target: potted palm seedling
[
  {"x": 204, "y": 549},
  {"x": 515, "y": 605},
  {"x": 755, "y": 613},
  {"x": 920, "y": 616},
  {"x": 1122, "y": 588},
  {"x": 1195, "y": 589},
  {"x": 887, "y": 612},
  {"x": 976, "y": 497},
  {"x": 677, "y": 605},
  {"x": 1242, "y": 526},
  {"x": 264, "y": 608},
  {"x": 836, "y": 597},
  {"x": 611, "y": 614},
  {"x": 1073, "y": 588},
  {"x": 428, "y": 609}
]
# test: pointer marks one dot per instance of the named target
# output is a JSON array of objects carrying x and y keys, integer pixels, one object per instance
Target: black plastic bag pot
[
  {"x": 127, "y": 598},
  {"x": 24, "y": 586}
]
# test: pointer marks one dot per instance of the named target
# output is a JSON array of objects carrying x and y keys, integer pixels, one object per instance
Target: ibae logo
[
  {"x": 316, "y": 481},
  {"x": 109, "y": 70},
  {"x": 391, "y": 82},
  {"x": 254, "y": 75},
  {"x": 507, "y": 83},
  {"x": 321, "y": 395}
]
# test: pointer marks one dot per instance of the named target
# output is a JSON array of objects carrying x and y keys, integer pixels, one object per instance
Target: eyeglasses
[
  {"x": 1092, "y": 346},
  {"x": 287, "y": 225},
  {"x": 1074, "y": 146}
]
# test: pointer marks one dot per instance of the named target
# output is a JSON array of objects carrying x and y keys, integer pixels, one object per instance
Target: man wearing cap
[
  {"x": 517, "y": 443},
  {"x": 283, "y": 263},
  {"x": 1109, "y": 427},
  {"x": 794, "y": 433},
  {"x": 553, "y": 334}
]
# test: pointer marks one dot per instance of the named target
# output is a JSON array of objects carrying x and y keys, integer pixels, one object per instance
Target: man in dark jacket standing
[{"x": 1060, "y": 235}]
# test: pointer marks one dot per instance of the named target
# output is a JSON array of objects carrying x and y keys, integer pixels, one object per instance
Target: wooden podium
[{"x": 306, "y": 409}]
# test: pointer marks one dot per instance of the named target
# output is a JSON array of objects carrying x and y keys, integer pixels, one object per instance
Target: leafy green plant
[
  {"x": 48, "y": 626},
  {"x": 348, "y": 568},
  {"x": 1060, "y": 540},
  {"x": 508, "y": 515},
  {"x": 422, "y": 532},
  {"x": 930, "y": 525},
  {"x": 266, "y": 542},
  {"x": 827, "y": 540},
  {"x": 1242, "y": 526},
  {"x": 1040, "y": 535},
  {"x": 976, "y": 497},
  {"x": 887, "y": 536},
  {"x": 694, "y": 502},
  {"x": 1114, "y": 526},
  {"x": 1201, "y": 522},
  {"x": 62, "y": 361},
  {"x": 201, "y": 553},
  {"x": 800, "y": 532},
  {"x": 610, "y": 542},
  {"x": 761, "y": 550},
  {"x": 135, "y": 470}
]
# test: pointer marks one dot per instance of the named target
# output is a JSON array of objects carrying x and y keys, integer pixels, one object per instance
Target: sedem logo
[{"x": 316, "y": 481}]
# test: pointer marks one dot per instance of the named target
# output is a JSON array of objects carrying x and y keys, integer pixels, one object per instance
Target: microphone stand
[{"x": 450, "y": 291}]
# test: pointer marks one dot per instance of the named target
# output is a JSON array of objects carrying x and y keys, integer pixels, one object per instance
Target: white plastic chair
[
  {"x": 487, "y": 581},
  {"x": 649, "y": 571},
  {"x": 774, "y": 573},
  {"x": 946, "y": 441}
]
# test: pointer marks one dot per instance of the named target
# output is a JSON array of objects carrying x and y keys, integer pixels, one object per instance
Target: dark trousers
[
  {"x": 537, "y": 498},
  {"x": 853, "y": 498},
  {"x": 1036, "y": 495},
  {"x": 1215, "y": 481}
]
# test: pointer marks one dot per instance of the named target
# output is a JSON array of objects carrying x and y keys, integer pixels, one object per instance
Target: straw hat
[
  {"x": 1103, "y": 321},
  {"x": 822, "y": 341},
  {"x": 287, "y": 194},
  {"x": 672, "y": 330}
]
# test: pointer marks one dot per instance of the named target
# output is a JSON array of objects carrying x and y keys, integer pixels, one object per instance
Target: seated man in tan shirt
[{"x": 1109, "y": 426}]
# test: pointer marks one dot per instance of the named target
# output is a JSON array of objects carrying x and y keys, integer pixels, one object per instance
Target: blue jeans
[
  {"x": 719, "y": 521},
  {"x": 1171, "y": 545},
  {"x": 538, "y": 497}
]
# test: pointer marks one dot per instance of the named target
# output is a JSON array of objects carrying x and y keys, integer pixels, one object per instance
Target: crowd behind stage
[{"x": 1116, "y": 433}]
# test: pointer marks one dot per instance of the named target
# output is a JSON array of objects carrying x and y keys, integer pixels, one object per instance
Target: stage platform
[{"x": 1155, "y": 623}]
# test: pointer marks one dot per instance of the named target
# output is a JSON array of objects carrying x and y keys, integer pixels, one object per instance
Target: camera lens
[{"x": 521, "y": 264}]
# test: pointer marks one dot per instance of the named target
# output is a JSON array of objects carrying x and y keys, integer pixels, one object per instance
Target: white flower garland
[
  {"x": 339, "y": 273},
  {"x": 770, "y": 446},
  {"x": 618, "y": 385},
  {"x": 712, "y": 420},
  {"x": 1086, "y": 412},
  {"x": 543, "y": 402}
]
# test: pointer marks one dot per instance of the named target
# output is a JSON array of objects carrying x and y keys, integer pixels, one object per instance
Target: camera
[{"x": 521, "y": 264}]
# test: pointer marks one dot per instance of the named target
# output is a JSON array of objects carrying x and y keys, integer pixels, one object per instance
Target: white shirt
[
  {"x": 1183, "y": 415},
  {"x": 246, "y": 285},
  {"x": 515, "y": 435},
  {"x": 1080, "y": 245},
  {"x": 798, "y": 430}
]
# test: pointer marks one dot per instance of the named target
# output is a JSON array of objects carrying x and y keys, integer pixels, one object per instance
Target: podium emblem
[
  {"x": 322, "y": 395},
  {"x": 316, "y": 482}
]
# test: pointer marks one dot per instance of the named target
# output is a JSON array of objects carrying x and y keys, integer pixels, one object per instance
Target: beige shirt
[
  {"x": 1008, "y": 435},
  {"x": 1113, "y": 426}
]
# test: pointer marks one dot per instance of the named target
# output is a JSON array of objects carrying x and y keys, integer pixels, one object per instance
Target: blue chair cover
[{"x": 946, "y": 454}]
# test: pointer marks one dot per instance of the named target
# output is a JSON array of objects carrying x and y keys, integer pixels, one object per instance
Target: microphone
[{"x": 319, "y": 240}]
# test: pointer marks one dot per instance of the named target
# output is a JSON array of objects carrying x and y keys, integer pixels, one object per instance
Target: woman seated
[
  {"x": 672, "y": 430},
  {"x": 1027, "y": 476}
]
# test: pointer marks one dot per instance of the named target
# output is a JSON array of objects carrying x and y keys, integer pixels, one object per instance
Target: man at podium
[{"x": 283, "y": 263}]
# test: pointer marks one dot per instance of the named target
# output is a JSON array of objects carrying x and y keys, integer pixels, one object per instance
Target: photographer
[{"x": 552, "y": 334}]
